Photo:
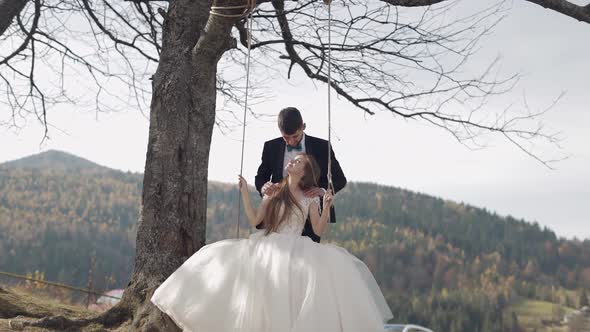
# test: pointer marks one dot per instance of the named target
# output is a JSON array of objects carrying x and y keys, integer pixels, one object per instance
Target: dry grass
[{"x": 18, "y": 306}]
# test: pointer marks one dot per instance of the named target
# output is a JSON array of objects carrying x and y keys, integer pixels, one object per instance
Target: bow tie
[{"x": 296, "y": 148}]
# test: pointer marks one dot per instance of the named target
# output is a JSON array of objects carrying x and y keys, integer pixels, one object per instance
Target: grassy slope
[{"x": 530, "y": 313}]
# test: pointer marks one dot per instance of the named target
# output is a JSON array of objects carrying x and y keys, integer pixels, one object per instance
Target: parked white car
[{"x": 405, "y": 328}]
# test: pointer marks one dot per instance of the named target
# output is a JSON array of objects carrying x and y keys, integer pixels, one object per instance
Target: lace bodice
[{"x": 296, "y": 221}]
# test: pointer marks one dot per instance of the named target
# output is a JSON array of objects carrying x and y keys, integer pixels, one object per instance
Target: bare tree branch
[
  {"x": 381, "y": 60},
  {"x": 565, "y": 7},
  {"x": 580, "y": 13},
  {"x": 412, "y": 3},
  {"x": 374, "y": 56},
  {"x": 9, "y": 9}
]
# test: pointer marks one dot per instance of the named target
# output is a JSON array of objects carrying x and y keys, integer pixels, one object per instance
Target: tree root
[
  {"x": 143, "y": 317},
  {"x": 134, "y": 312}
]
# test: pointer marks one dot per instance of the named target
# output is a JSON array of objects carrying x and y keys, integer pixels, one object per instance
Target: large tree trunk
[{"x": 174, "y": 202}]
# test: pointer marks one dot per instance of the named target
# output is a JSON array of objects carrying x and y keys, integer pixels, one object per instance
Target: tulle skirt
[{"x": 275, "y": 283}]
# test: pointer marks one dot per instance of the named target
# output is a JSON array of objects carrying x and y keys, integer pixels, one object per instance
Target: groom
[{"x": 279, "y": 151}]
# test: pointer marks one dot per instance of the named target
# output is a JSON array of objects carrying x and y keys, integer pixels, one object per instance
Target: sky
[{"x": 546, "y": 48}]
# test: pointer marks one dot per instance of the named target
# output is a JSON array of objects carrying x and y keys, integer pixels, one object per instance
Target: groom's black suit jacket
[{"x": 271, "y": 169}]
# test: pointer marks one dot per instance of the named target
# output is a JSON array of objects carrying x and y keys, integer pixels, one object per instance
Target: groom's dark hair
[{"x": 290, "y": 120}]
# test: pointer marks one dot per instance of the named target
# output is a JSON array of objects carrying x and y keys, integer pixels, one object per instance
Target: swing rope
[
  {"x": 248, "y": 9},
  {"x": 330, "y": 183},
  {"x": 249, "y": 33}
]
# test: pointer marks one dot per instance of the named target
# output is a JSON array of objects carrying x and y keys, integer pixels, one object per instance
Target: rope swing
[
  {"x": 249, "y": 32},
  {"x": 247, "y": 10},
  {"x": 330, "y": 183}
]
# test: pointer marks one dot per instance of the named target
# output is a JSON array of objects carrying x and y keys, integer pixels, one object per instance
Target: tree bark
[
  {"x": 8, "y": 11},
  {"x": 565, "y": 7},
  {"x": 174, "y": 201},
  {"x": 412, "y": 3},
  {"x": 580, "y": 13}
]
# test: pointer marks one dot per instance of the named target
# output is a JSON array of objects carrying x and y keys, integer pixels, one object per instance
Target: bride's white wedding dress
[{"x": 282, "y": 282}]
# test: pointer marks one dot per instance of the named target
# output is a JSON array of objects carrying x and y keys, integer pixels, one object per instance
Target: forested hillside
[{"x": 447, "y": 265}]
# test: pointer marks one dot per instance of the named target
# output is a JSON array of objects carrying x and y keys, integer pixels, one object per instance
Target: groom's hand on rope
[
  {"x": 269, "y": 188},
  {"x": 313, "y": 192}
]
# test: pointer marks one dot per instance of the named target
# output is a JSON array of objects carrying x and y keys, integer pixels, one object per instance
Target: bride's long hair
[{"x": 274, "y": 215}]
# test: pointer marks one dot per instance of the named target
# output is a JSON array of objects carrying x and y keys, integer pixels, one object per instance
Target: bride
[{"x": 276, "y": 280}]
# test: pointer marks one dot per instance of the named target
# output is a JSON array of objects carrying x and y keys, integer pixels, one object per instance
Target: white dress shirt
[{"x": 290, "y": 155}]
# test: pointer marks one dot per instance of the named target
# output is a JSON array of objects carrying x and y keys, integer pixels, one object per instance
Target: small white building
[
  {"x": 105, "y": 302},
  {"x": 582, "y": 315}
]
